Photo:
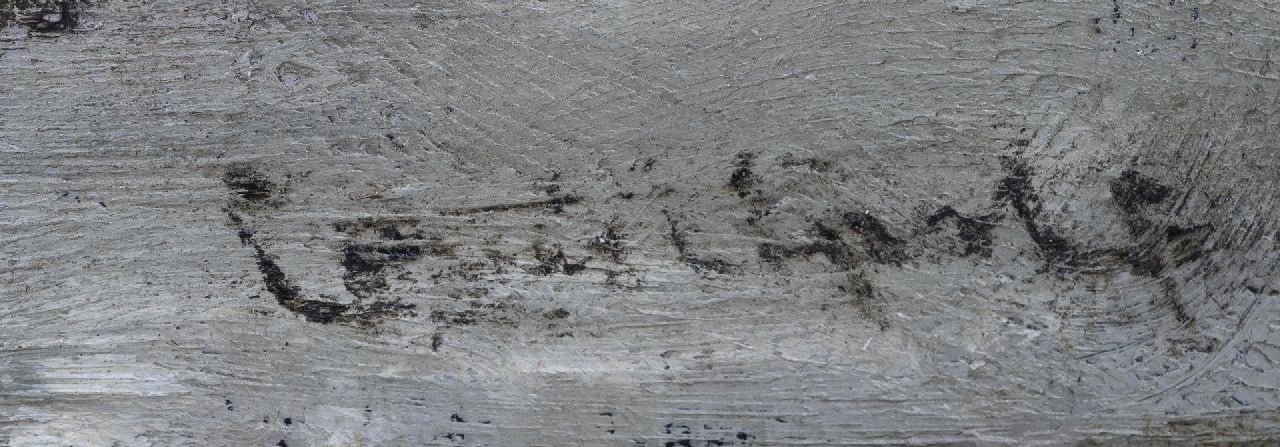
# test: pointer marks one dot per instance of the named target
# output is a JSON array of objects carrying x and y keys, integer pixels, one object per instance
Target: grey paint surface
[{"x": 652, "y": 223}]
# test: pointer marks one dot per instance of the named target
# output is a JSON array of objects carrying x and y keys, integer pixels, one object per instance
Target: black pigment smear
[
  {"x": 554, "y": 204},
  {"x": 975, "y": 232}
]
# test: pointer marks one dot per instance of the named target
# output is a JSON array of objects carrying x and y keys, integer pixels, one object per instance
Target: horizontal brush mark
[{"x": 556, "y": 204}]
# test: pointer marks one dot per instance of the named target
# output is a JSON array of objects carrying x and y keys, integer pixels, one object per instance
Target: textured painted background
[{"x": 658, "y": 223}]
